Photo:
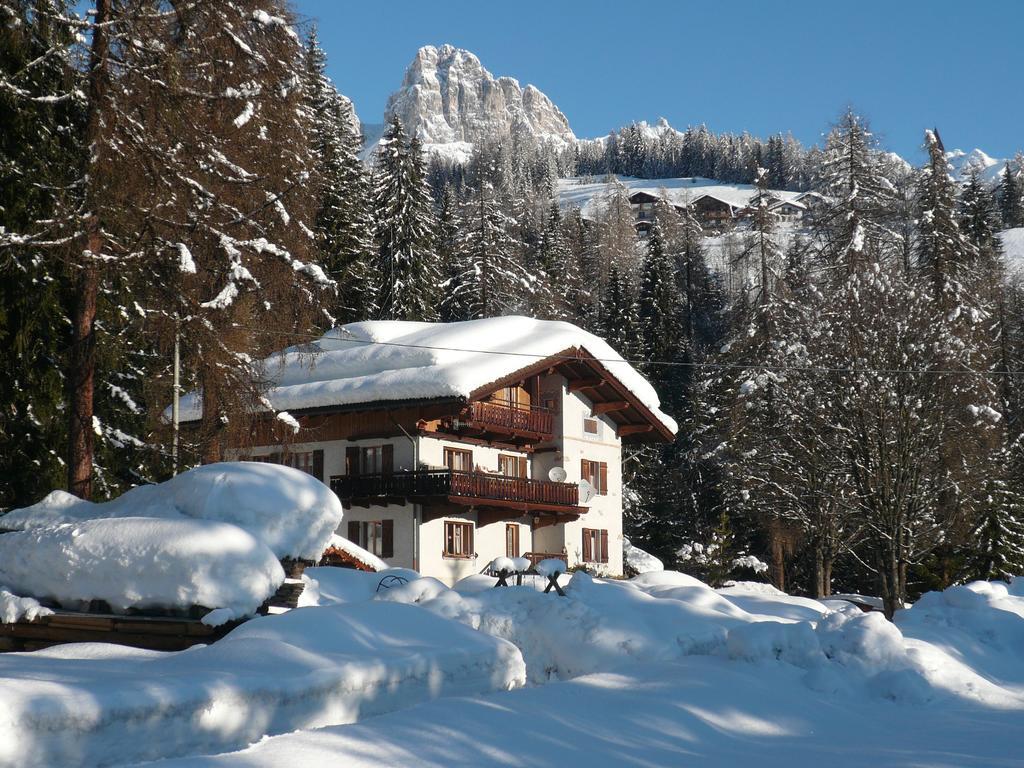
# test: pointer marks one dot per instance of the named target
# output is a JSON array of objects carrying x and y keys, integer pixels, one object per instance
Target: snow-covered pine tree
[
  {"x": 491, "y": 281},
  {"x": 1011, "y": 195},
  {"x": 558, "y": 295},
  {"x": 618, "y": 322},
  {"x": 658, "y": 301},
  {"x": 39, "y": 157},
  {"x": 344, "y": 224},
  {"x": 854, "y": 227},
  {"x": 979, "y": 218},
  {"x": 403, "y": 211}
]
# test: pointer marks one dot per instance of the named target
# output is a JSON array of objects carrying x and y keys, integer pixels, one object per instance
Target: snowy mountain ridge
[
  {"x": 450, "y": 101},
  {"x": 990, "y": 168}
]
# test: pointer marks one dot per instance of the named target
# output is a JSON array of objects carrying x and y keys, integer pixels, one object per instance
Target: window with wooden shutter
[
  {"x": 595, "y": 545},
  {"x": 387, "y": 460},
  {"x": 595, "y": 473},
  {"x": 511, "y": 540},
  {"x": 458, "y": 459},
  {"x": 352, "y": 461},
  {"x": 318, "y": 464},
  {"x": 387, "y": 537},
  {"x": 353, "y": 531},
  {"x": 511, "y": 465},
  {"x": 458, "y": 539}
]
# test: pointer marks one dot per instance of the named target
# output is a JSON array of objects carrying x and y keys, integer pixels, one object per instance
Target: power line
[{"x": 637, "y": 362}]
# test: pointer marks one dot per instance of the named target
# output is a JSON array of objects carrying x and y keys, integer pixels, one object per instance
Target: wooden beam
[
  {"x": 578, "y": 384},
  {"x": 633, "y": 429},
  {"x": 614, "y": 405}
]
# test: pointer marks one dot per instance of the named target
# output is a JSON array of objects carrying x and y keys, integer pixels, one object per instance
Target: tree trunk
[
  {"x": 826, "y": 576},
  {"x": 82, "y": 373},
  {"x": 82, "y": 366}
]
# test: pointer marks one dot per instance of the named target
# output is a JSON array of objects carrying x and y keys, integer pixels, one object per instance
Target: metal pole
[{"x": 174, "y": 400}]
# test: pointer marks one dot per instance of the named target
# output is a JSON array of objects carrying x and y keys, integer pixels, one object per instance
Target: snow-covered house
[{"x": 452, "y": 444}]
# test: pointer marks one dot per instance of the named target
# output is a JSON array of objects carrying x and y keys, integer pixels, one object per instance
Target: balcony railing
[
  {"x": 433, "y": 483},
  {"x": 511, "y": 417}
]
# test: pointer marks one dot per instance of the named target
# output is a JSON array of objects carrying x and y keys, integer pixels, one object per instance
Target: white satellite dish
[
  {"x": 557, "y": 475},
  {"x": 587, "y": 491}
]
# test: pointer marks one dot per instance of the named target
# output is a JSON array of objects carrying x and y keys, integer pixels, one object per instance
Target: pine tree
[
  {"x": 559, "y": 287},
  {"x": 344, "y": 225},
  {"x": 491, "y": 280},
  {"x": 39, "y": 156},
  {"x": 1011, "y": 197},
  {"x": 618, "y": 322},
  {"x": 658, "y": 300},
  {"x": 406, "y": 262}
]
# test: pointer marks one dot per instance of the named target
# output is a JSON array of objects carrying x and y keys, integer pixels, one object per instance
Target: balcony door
[{"x": 511, "y": 540}]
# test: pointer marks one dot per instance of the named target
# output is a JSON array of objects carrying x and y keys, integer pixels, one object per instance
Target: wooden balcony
[
  {"x": 502, "y": 417},
  {"x": 440, "y": 486}
]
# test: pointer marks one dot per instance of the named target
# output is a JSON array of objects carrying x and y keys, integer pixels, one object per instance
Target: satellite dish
[
  {"x": 557, "y": 475},
  {"x": 587, "y": 492}
]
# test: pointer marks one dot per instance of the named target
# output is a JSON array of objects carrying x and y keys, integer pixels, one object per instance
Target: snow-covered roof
[
  {"x": 591, "y": 196},
  {"x": 390, "y": 360}
]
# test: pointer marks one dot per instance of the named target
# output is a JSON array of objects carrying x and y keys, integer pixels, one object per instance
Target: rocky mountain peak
[{"x": 451, "y": 101}]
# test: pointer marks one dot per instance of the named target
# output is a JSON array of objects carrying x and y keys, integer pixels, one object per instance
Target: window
[
  {"x": 458, "y": 459},
  {"x": 511, "y": 540},
  {"x": 376, "y": 536},
  {"x": 590, "y": 426},
  {"x": 595, "y": 545},
  {"x": 371, "y": 460},
  {"x": 595, "y": 473},
  {"x": 458, "y": 539},
  {"x": 310, "y": 462},
  {"x": 512, "y": 466}
]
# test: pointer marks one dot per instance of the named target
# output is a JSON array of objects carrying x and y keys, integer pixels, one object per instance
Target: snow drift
[{"x": 93, "y": 704}]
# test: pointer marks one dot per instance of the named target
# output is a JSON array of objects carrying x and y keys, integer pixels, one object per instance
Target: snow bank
[
  {"x": 290, "y": 511},
  {"x": 639, "y": 561},
  {"x": 92, "y": 704},
  {"x": 398, "y": 360},
  {"x": 136, "y": 562},
  {"x": 14, "y": 608}
]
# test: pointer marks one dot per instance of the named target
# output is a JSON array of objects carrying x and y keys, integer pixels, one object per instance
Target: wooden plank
[
  {"x": 610, "y": 407},
  {"x": 578, "y": 384}
]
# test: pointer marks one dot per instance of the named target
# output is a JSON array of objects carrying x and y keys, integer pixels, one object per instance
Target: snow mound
[
  {"x": 136, "y": 562},
  {"x": 639, "y": 561},
  {"x": 92, "y": 705},
  {"x": 397, "y": 360},
  {"x": 14, "y": 608},
  {"x": 293, "y": 513}
]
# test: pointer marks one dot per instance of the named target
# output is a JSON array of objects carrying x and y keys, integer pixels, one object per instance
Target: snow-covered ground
[
  {"x": 95, "y": 704},
  {"x": 663, "y": 670},
  {"x": 1013, "y": 250},
  {"x": 656, "y": 670}
]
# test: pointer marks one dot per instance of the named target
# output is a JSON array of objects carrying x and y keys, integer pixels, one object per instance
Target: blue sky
[{"x": 764, "y": 67}]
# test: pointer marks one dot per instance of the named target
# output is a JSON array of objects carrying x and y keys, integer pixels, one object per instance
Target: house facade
[{"x": 524, "y": 459}]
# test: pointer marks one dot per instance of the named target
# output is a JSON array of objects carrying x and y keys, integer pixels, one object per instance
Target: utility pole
[{"x": 175, "y": 398}]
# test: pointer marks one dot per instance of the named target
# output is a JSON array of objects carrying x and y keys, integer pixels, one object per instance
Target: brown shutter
[
  {"x": 604, "y": 479},
  {"x": 387, "y": 459},
  {"x": 522, "y": 466},
  {"x": 387, "y": 535},
  {"x": 352, "y": 461},
  {"x": 586, "y": 545},
  {"x": 353, "y": 531},
  {"x": 584, "y": 469},
  {"x": 318, "y": 464},
  {"x": 604, "y": 546},
  {"x": 472, "y": 533}
]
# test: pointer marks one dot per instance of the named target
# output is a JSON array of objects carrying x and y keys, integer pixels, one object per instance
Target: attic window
[{"x": 590, "y": 426}]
